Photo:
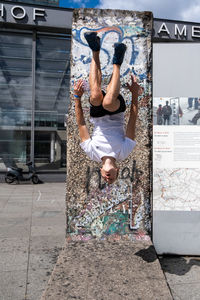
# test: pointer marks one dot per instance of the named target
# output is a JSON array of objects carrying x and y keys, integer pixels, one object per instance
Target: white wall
[{"x": 176, "y": 69}]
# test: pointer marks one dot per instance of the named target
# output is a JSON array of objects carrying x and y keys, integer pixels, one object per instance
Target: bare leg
[
  {"x": 111, "y": 101},
  {"x": 96, "y": 96}
]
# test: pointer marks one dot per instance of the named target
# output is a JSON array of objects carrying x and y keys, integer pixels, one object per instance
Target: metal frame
[{"x": 33, "y": 97}]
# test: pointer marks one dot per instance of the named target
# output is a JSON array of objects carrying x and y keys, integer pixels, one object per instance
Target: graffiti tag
[{"x": 132, "y": 174}]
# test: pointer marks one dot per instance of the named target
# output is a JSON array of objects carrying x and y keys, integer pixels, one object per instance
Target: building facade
[
  {"x": 34, "y": 83},
  {"x": 35, "y": 43},
  {"x": 35, "y": 49},
  {"x": 34, "y": 80}
]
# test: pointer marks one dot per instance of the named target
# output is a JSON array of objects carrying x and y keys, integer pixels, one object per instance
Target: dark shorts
[{"x": 99, "y": 111}]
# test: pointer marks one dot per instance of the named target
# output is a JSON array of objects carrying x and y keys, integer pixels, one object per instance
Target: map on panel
[{"x": 176, "y": 189}]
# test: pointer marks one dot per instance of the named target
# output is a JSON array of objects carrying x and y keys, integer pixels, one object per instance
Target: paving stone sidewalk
[{"x": 32, "y": 234}]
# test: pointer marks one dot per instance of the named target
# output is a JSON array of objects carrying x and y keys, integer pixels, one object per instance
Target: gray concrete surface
[
  {"x": 32, "y": 234},
  {"x": 183, "y": 276},
  {"x": 176, "y": 232},
  {"x": 107, "y": 270}
]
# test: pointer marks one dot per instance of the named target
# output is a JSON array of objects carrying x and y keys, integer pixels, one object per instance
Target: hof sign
[
  {"x": 19, "y": 12},
  {"x": 35, "y": 16}
]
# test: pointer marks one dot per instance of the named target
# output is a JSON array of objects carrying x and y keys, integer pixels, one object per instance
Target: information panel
[{"x": 176, "y": 148}]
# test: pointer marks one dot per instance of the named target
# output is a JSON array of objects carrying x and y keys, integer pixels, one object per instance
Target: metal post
[
  {"x": 33, "y": 96},
  {"x": 52, "y": 149}
]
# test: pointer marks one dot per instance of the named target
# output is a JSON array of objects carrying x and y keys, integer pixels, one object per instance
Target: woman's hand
[
  {"x": 78, "y": 88},
  {"x": 134, "y": 87}
]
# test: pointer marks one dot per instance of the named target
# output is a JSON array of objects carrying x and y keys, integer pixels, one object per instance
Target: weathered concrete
[
  {"x": 123, "y": 208},
  {"x": 107, "y": 270}
]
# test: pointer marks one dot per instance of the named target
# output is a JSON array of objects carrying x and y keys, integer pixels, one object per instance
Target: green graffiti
[{"x": 118, "y": 222}]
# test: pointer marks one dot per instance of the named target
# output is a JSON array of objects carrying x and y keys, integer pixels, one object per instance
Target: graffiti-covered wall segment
[{"x": 94, "y": 208}]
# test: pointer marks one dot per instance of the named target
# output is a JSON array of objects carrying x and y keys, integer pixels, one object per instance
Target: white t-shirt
[{"x": 108, "y": 139}]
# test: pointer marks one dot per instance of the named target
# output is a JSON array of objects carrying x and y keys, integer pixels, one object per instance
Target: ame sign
[
  {"x": 181, "y": 32},
  {"x": 167, "y": 29}
]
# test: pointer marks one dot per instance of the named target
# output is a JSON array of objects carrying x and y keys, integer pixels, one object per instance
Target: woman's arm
[
  {"x": 80, "y": 120},
  {"x": 135, "y": 90}
]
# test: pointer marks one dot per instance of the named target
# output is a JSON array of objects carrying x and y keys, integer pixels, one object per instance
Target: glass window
[
  {"x": 52, "y": 99},
  {"x": 15, "y": 98},
  {"x": 52, "y": 73}
]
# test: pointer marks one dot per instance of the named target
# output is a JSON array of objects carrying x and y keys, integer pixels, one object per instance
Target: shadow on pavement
[
  {"x": 149, "y": 254},
  {"x": 178, "y": 265}
]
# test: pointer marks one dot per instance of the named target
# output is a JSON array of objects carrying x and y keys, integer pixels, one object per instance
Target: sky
[{"x": 185, "y": 10}]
